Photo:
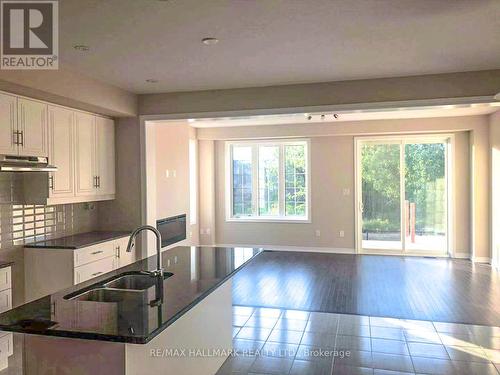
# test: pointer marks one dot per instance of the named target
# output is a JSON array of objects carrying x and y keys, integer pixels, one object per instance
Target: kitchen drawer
[
  {"x": 5, "y": 282},
  {"x": 93, "y": 253},
  {"x": 94, "y": 269},
  {"x": 5, "y": 300},
  {"x": 6, "y": 344}
]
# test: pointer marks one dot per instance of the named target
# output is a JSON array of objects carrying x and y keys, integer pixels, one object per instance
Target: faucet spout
[{"x": 131, "y": 243}]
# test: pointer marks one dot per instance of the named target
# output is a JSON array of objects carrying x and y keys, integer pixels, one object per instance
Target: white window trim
[{"x": 255, "y": 165}]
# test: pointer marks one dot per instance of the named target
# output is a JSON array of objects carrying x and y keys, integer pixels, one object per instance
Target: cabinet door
[
  {"x": 32, "y": 120},
  {"x": 5, "y": 300},
  {"x": 124, "y": 257},
  {"x": 61, "y": 152},
  {"x": 105, "y": 156},
  {"x": 8, "y": 124},
  {"x": 85, "y": 154}
]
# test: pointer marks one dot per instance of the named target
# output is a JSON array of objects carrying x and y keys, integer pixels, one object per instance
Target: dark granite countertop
[
  {"x": 197, "y": 271},
  {"x": 79, "y": 240},
  {"x": 4, "y": 263}
]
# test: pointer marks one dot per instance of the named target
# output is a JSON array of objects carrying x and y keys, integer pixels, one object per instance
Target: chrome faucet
[{"x": 131, "y": 243}]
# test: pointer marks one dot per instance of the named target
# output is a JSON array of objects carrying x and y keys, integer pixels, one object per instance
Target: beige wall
[
  {"x": 332, "y": 164},
  {"x": 332, "y": 169},
  {"x": 71, "y": 89},
  {"x": 206, "y": 159},
  {"x": 437, "y": 86},
  {"x": 495, "y": 186},
  {"x": 172, "y": 154},
  {"x": 480, "y": 208},
  {"x": 168, "y": 149}
]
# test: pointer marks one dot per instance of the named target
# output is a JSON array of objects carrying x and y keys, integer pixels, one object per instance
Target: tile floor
[{"x": 273, "y": 341}]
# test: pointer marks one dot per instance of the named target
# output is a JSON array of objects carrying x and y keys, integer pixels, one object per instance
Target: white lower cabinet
[
  {"x": 6, "y": 338},
  {"x": 52, "y": 270},
  {"x": 123, "y": 256}
]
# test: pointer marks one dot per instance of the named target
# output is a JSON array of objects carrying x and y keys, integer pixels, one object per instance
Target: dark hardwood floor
[{"x": 402, "y": 287}]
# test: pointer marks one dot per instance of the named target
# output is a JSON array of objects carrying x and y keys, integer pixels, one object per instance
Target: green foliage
[
  {"x": 424, "y": 185},
  {"x": 380, "y": 225}
]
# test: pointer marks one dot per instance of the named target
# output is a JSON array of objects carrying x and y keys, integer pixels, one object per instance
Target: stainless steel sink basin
[
  {"x": 127, "y": 287},
  {"x": 111, "y": 295},
  {"x": 132, "y": 282}
]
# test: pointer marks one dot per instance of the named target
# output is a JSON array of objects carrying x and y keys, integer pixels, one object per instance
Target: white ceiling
[
  {"x": 359, "y": 115},
  {"x": 271, "y": 42}
]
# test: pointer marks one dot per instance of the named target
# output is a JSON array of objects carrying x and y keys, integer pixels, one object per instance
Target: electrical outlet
[
  {"x": 341, "y": 233},
  {"x": 318, "y": 233},
  {"x": 167, "y": 173},
  {"x": 176, "y": 260},
  {"x": 174, "y": 173},
  {"x": 346, "y": 191}
]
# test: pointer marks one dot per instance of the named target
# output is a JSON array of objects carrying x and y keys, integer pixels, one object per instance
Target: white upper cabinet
[
  {"x": 81, "y": 145},
  {"x": 105, "y": 156},
  {"x": 8, "y": 124},
  {"x": 32, "y": 127},
  {"x": 85, "y": 150},
  {"x": 61, "y": 152}
]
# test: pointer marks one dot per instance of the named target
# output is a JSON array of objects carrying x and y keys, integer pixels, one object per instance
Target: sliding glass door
[
  {"x": 403, "y": 194},
  {"x": 381, "y": 195}
]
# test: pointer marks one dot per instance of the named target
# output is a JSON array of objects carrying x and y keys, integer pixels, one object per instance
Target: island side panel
[
  {"x": 66, "y": 356},
  {"x": 206, "y": 327}
]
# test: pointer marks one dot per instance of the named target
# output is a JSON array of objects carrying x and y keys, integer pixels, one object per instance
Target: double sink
[{"x": 125, "y": 287}]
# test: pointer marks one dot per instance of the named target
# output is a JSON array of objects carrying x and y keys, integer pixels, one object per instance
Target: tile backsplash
[{"x": 22, "y": 223}]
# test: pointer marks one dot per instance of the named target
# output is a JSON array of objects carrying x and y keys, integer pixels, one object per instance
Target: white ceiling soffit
[
  {"x": 341, "y": 116},
  {"x": 274, "y": 42}
]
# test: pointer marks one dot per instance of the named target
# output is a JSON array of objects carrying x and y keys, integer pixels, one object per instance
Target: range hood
[{"x": 10, "y": 163}]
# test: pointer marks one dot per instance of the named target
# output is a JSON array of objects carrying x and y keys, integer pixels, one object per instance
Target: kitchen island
[{"x": 93, "y": 329}]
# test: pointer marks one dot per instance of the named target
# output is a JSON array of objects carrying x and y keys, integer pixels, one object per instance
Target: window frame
[{"x": 255, "y": 144}]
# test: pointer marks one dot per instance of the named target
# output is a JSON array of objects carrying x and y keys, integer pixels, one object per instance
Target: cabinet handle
[
  {"x": 22, "y": 138},
  {"x": 51, "y": 182},
  {"x": 118, "y": 251},
  {"x": 97, "y": 273},
  {"x": 98, "y": 181},
  {"x": 95, "y": 182},
  {"x": 97, "y": 252}
]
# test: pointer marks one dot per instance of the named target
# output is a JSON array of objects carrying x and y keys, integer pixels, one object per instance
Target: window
[{"x": 268, "y": 180}]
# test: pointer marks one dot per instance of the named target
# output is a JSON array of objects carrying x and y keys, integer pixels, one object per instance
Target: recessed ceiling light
[
  {"x": 81, "y": 47},
  {"x": 151, "y": 80},
  {"x": 210, "y": 41}
]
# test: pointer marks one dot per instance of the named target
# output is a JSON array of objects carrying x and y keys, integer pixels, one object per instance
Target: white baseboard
[
  {"x": 481, "y": 260},
  {"x": 342, "y": 250},
  {"x": 333, "y": 250},
  {"x": 461, "y": 256}
]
